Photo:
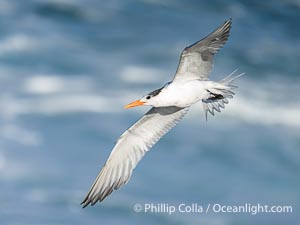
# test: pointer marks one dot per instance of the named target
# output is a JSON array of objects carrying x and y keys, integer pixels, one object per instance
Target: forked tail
[{"x": 219, "y": 93}]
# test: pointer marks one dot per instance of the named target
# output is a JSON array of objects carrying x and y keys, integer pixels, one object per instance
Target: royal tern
[{"x": 169, "y": 105}]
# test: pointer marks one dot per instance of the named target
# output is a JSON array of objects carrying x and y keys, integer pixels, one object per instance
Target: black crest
[{"x": 156, "y": 92}]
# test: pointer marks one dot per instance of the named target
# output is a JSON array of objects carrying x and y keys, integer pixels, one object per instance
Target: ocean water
[{"x": 67, "y": 68}]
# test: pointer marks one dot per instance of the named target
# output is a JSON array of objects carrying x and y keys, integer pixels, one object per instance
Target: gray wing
[
  {"x": 196, "y": 60},
  {"x": 130, "y": 148}
]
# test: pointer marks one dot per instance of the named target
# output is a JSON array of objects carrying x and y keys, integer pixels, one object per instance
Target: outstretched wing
[
  {"x": 196, "y": 60},
  {"x": 130, "y": 148}
]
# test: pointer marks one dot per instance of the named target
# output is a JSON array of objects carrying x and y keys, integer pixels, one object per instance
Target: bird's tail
[{"x": 219, "y": 93}]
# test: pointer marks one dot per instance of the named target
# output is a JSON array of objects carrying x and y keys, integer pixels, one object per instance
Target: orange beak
[{"x": 134, "y": 104}]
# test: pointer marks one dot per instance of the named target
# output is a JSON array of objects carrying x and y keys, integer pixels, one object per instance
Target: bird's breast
[{"x": 183, "y": 94}]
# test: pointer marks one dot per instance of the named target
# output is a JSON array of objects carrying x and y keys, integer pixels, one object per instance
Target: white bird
[{"x": 170, "y": 103}]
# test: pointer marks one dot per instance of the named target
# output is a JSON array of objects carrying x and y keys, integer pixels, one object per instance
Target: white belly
[{"x": 183, "y": 94}]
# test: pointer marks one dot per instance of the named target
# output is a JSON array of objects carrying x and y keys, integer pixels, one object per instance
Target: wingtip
[
  {"x": 88, "y": 201},
  {"x": 229, "y": 21},
  {"x": 227, "y": 24},
  {"x": 92, "y": 200},
  {"x": 84, "y": 203}
]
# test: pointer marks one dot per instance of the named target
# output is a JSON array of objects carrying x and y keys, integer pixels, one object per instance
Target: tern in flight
[{"x": 169, "y": 105}]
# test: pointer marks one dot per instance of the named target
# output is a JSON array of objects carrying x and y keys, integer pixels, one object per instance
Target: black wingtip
[
  {"x": 85, "y": 202},
  {"x": 229, "y": 21},
  {"x": 226, "y": 25}
]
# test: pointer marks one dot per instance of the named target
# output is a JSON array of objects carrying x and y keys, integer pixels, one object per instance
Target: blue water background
[{"x": 68, "y": 67}]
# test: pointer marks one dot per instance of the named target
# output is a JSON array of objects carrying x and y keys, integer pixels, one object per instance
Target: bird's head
[{"x": 149, "y": 99}]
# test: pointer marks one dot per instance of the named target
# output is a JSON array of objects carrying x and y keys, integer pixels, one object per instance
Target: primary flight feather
[{"x": 170, "y": 104}]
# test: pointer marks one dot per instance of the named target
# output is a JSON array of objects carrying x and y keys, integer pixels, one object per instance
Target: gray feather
[{"x": 196, "y": 60}]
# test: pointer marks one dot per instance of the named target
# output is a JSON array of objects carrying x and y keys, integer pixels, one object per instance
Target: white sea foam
[
  {"x": 256, "y": 111},
  {"x": 62, "y": 104},
  {"x": 16, "y": 43},
  {"x": 51, "y": 84},
  {"x": 44, "y": 84},
  {"x": 139, "y": 74}
]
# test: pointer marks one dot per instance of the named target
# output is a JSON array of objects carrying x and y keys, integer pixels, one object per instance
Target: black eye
[{"x": 148, "y": 97}]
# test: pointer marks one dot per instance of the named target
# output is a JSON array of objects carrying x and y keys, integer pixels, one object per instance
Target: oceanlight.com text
[{"x": 252, "y": 209}]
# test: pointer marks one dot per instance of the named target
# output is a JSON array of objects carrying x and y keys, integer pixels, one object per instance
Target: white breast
[{"x": 182, "y": 94}]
